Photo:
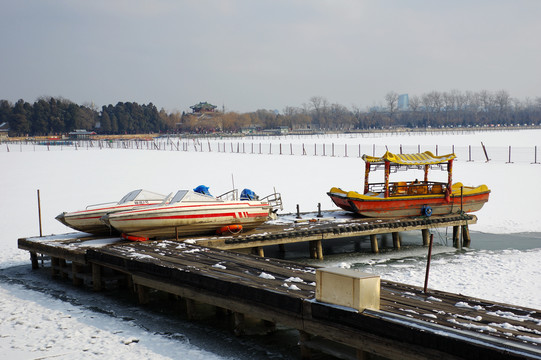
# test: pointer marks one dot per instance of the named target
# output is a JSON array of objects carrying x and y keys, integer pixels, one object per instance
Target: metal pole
[
  {"x": 428, "y": 260},
  {"x": 39, "y": 215}
]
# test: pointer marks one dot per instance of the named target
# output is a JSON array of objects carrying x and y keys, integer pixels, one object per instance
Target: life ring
[
  {"x": 134, "y": 238},
  {"x": 229, "y": 229},
  {"x": 426, "y": 211}
]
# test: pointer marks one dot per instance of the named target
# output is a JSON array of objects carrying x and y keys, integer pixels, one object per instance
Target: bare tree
[{"x": 391, "y": 100}]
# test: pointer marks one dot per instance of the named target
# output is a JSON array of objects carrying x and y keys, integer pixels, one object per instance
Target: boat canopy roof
[{"x": 425, "y": 158}]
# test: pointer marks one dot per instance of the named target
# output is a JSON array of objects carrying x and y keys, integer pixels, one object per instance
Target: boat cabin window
[{"x": 129, "y": 196}]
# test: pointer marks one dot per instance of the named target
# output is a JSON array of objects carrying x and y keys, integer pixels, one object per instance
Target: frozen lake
[{"x": 54, "y": 319}]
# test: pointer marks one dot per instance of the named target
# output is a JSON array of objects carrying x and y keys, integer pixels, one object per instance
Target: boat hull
[
  {"x": 167, "y": 222},
  {"x": 407, "y": 206},
  {"x": 90, "y": 220}
]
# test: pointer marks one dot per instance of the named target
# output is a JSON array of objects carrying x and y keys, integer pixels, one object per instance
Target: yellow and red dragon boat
[{"x": 403, "y": 199}]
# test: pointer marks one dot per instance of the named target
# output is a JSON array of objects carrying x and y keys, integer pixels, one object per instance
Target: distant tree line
[{"x": 54, "y": 116}]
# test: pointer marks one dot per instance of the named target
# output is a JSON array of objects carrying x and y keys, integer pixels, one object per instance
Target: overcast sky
[{"x": 249, "y": 55}]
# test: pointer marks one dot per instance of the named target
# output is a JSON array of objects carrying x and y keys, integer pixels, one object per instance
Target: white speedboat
[
  {"x": 88, "y": 220},
  {"x": 191, "y": 213}
]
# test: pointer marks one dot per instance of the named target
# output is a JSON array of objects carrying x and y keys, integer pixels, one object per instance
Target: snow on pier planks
[{"x": 410, "y": 323}]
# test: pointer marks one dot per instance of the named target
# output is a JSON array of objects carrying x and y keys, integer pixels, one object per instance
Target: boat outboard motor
[
  {"x": 248, "y": 194},
  {"x": 202, "y": 189}
]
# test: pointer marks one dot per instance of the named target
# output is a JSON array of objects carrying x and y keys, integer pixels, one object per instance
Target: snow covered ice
[{"x": 60, "y": 321}]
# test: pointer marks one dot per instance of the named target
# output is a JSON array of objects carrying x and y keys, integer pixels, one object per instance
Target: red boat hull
[{"x": 397, "y": 207}]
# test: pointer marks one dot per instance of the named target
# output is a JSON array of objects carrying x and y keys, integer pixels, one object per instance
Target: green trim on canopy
[{"x": 425, "y": 158}]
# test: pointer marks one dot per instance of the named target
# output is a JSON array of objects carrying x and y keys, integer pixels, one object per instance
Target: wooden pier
[
  {"x": 410, "y": 324},
  {"x": 314, "y": 230}
]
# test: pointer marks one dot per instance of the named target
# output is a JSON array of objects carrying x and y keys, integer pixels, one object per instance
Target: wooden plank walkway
[
  {"x": 409, "y": 324},
  {"x": 314, "y": 230}
]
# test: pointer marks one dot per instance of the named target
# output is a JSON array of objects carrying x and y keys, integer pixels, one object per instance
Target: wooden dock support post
[
  {"x": 63, "y": 266},
  {"x": 239, "y": 324},
  {"x": 426, "y": 237},
  {"x": 96, "y": 277},
  {"x": 258, "y": 250},
  {"x": 456, "y": 237},
  {"x": 319, "y": 250},
  {"x": 142, "y": 294},
  {"x": 374, "y": 243},
  {"x": 34, "y": 260},
  {"x": 55, "y": 263},
  {"x": 304, "y": 337},
  {"x": 191, "y": 311},
  {"x": 466, "y": 239},
  {"x": 396, "y": 240},
  {"x": 270, "y": 326},
  {"x": 312, "y": 249},
  {"x": 75, "y": 268},
  {"x": 316, "y": 249}
]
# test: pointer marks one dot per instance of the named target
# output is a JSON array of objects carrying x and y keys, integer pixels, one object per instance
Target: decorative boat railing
[{"x": 403, "y": 188}]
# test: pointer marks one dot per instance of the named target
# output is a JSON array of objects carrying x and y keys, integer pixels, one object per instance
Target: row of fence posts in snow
[{"x": 152, "y": 145}]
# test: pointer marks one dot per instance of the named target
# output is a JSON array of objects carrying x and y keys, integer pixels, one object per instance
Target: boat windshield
[
  {"x": 188, "y": 195},
  {"x": 141, "y": 196},
  {"x": 129, "y": 196}
]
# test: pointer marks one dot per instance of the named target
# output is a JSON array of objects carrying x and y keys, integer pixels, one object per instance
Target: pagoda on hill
[{"x": 203, "y": 107}]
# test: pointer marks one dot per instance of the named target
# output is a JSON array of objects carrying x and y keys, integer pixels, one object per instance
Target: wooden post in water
[
  {"x": 191, "y": 310},
  {"x": 239, "y": 324},
  {"x": 258, "y": 250},
  {"x": 34, "y": 260},
  {"x": 304, "y": 337},
  {"x": 426, "y": 237},
  {"x": 319, "y": 250},
  {"x": 55, "y": 263},
  {"x": 396, "y": 240},
  {"x": 75, "y": 269},
  {"x": 455, "y": 236},
  {"x": 96, "y": 277},
  {"x": 509, "y": 162},
  {"x": 485, "y": 151},
  {"x": 374, "y": 243},
  {"x": 312, "y": 249},
  {"x": 466, "y": 239}
]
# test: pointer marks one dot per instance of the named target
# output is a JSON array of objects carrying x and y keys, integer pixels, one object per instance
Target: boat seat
[
  {"x": 437, "y": 189},
  {"x": 401, "y": 187},
  {"x": 417, "y": 189}
]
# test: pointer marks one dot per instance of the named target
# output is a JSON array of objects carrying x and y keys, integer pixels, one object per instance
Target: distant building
[
  {"x": 81, "y": 134},
  {"x": 403, "y": 102},
  {"x": 4, "y": 131},
  {"x": 203, "y": 107}
]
